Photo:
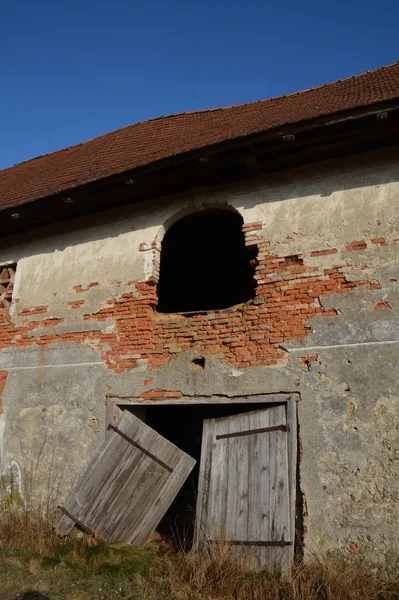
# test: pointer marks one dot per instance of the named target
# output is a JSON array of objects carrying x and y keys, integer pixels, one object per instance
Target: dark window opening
[{"x": 205, "y": 264}]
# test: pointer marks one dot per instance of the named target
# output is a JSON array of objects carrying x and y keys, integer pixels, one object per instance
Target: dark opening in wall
[
  {"x": 205, "y": 264},
  {"x": 183, "y": 425},
  {"x": 198, "y": 364}
]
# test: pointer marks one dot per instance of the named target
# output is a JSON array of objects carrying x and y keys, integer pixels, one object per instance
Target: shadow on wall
[{"x": 113, "y": 222}]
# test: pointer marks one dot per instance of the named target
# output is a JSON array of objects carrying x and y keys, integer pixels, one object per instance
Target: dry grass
[{"x": 32, "y": 557}]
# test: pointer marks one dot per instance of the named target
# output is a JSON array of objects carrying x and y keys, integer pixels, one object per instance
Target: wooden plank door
[
  {"x": 128, "y": 486},
  {"x": 244, "y": 494}
]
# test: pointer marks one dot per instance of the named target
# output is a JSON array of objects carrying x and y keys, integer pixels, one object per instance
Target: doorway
[{"x": 182, "y": 423}]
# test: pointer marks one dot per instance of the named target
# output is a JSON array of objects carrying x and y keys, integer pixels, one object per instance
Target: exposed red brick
[
  {"x": 287, "y": 296},
  {"x": 256, "y": 226},
  {"x": 354, "y": 548},
  {"x": 330, "y": 313},
  {"x": 312, "y": 358},
  {"x": 324, "y": 252},
  {"x": 51, "y": 322},
  {"x": 381, "y": 304},
  {"x": 161, "y": 394},
  {"x": 75, "y": 303},
  {"x": 33, "y": 311},
  {"x": 379, "y": 240},
  {"x": 358, "y": 245},
  {"x": 3, "y": 379},
  {"x": 80, "y": 288}
]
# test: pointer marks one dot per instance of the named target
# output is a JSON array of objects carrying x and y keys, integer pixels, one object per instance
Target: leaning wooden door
[
  {"x": 128, "y": 487},
  {"x": 244, "y": 494}
]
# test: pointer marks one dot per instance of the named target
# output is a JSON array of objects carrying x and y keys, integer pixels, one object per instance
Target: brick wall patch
[
  {"x": 288, "y": 294},
  {"x": 3, "y": 379}
]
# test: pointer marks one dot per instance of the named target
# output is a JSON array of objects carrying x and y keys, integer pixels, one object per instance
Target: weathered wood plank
[
  {"x": 125, "y": 491},
  {"x": 279, "y": 489},
  {"x": 292, "y": 450},
  {"x": 185, "y": 400},
  {"x": 147, "y": 481},
  {"x": 204, "y": 497},
  {"x": 238, "y": 506},
  {"x": 106, "y": 511},
  {"x": 214, "y": 524},
  {"x": 258, "y": 481},
  {"x": 102, "y": 475},
  {"x": 159, "y": 505},
  {"x": 244, "y": 496},
  {"x": 63, "y": 523}
]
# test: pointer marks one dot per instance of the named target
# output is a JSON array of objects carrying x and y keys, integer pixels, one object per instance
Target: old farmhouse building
[{"x": 214, "y": 296}]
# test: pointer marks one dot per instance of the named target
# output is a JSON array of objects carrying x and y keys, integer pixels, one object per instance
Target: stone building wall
[{"x": 83, "y": 326}]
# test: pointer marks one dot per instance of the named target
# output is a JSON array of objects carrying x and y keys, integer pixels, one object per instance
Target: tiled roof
[{"x": 150, "y": 141}]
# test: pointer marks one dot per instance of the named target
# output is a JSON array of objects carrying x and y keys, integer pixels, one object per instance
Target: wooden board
[
  {"x": 128, "y": 486},
  {"x": 244, "y": 492}
]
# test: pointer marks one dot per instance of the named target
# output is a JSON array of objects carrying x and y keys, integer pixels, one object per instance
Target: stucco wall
[{"x": 324, "y": 324}]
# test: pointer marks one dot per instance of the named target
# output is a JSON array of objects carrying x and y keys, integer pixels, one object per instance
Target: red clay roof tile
[{"x": 150, "y": 141}]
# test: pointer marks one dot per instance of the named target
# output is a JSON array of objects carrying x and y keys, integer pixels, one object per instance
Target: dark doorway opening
[
  {"x": 182, "y": 425},
  {"x": 205, "y": 264}
]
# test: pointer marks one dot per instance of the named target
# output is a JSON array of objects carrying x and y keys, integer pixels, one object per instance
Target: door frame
[{"x": 114, "y": 404}]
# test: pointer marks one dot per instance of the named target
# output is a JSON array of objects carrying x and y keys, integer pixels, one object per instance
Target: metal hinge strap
[
  {"x": 280, "y": 543},
  {"x": 80, "y": 523},
  {"x": 253, "y": 431},
  {"x": 143, "y": 450}
]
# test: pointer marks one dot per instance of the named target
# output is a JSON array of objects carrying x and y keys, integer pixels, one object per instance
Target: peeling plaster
[{"x": 349, "y": 392}]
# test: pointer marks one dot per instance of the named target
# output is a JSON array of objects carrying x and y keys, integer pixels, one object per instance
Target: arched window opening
[{"x": 205, "y": 264}]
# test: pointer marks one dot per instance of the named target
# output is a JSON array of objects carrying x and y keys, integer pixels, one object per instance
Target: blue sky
[{"x": 72, "y": 70}]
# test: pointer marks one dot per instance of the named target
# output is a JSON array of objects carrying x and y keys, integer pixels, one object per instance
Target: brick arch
[
  {"x": 191, "y": 210},
  {"x": 204, "y": 261}
]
